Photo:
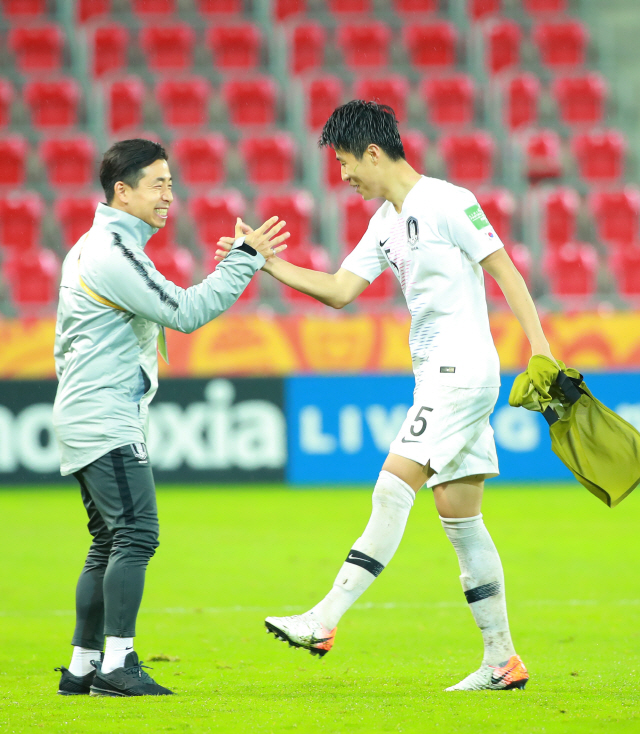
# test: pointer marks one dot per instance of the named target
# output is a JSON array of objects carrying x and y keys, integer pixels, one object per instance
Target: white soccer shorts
[{"x": 449, "y": 427}]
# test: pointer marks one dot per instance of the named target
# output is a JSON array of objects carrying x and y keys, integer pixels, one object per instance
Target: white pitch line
[{"x": 362, "y": 606}]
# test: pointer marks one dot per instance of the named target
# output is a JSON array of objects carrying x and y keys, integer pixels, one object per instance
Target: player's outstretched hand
[{"x": 263, "y": 239}]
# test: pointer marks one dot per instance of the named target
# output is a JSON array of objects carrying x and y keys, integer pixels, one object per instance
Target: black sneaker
[
  {"x": 74, "y": 685},
  {"x": 130, "y": 680}
]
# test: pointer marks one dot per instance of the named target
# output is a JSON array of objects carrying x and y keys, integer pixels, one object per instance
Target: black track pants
[{"x": 119, "y": 495}]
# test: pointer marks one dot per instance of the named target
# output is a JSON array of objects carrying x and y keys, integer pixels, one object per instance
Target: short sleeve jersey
[{"x": 434, "y": 247}]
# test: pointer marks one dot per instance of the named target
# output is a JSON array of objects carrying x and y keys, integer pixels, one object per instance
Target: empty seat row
[
  {"x": 615, "y": 214},
  {"x": 234, "y": 47},
  {"x": 19, "y": 10},
  {"x": 67, "y": 161},
  {"x": 433, "y": 46},
  {"x": 185, "y": 102}
]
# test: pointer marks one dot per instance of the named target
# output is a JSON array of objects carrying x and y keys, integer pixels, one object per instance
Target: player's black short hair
[
  {"x": 356, "y": 124},
  {"x": 125, "y": 160}
]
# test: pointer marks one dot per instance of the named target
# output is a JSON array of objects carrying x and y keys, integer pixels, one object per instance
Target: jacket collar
[{"x": 136, "y": 231}]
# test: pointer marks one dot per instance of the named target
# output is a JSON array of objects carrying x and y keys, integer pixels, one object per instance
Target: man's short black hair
[
  {"x": 125, "y": 160},
  {"x": 354, "y": 126}
]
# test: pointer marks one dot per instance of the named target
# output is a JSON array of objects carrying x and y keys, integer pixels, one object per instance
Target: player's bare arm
[
  {"x": 500, "y": 266},
  {"x": 335, "y": 290}
]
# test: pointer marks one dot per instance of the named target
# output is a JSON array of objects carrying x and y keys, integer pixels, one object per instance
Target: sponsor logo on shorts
[
  {"x": 447, "y": 370},
  {"x": 408, "y": 440},
  {"x": 477, "y": 216},
  {"x": 139, "y": 451}
]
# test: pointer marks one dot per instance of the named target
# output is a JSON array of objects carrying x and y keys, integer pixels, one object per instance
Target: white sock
[
  {"x": 81, "y": 659},
  {"x": 116, "y": 650},
  {"x": 392, "y": 501},
  {"x": 483, "y": 584}
]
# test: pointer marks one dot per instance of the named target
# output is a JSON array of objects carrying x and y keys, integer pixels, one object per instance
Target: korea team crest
[
  {"x": 139, "y": 451},
  {"x": 412, "y": 233}
]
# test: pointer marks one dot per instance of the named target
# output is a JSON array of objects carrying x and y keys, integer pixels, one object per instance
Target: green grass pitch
[{"x": 230, "y": 556}]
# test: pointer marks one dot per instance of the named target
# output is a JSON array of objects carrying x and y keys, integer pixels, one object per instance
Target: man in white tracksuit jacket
[{"x": 113, "y": 309}]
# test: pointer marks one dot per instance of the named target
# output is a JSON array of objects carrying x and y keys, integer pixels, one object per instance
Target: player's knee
[
  {"x": 136, "y": 541},
  {"x": 391, "y": 490}
]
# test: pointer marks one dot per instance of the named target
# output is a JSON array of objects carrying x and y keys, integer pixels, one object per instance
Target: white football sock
[
  {"x": 81, "y": 659},
  {"x": 392, "y": 501},
  {"x": 116, "y": 650},
  {"x": 483, "y": 584}
]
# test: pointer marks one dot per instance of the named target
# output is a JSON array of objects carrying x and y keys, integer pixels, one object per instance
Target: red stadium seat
[
  {"x": 285, "y": 9},
  {"x": 184, "y": 102},
  {"x": 543, "y": 156},
  {"x": 6, "y": 99},
  {"x": 600, "y": 156},
  {"x": 544, "y": 7},
  {"x": 13, "y": 160},
  {"x": 520, "y": 98},
  {"x": 219, "y": 9},
  {"x": 468, "y": 158},
  {"x": 482, "y": 9},
  {"x": 521, "y": 258},
  {"x": 364, "y": 45},
  {"x": 431, "y": 45},
  {"x": 201, "y": 160},
  {"x": 175, "y": 263},
  {"x": 392, "y": 90},
  {"x": 580, "y": 99},
  {"x": 53, "y": 104},
  {"x": 355, "y": 214},
  {"x": 625, "y": 264},
  {"x": 33, "y": 281},
  {"x": 75, "y": 216},
  {"x": 332, "y": 177},
  {"x": 502, "y": 43},
  {"x": 24, "y": 9},
  {"x": 307, "y": 42},
  {"x": 108, "y": 48},
  {"x": 124, "y": 104},
  {"x": 499, "y": 206},
  {"x": 450, "y": 100},
  {"x": 323, "y": 95},
  {"x": 415, "y": 147},
  {"x": 572, "y": 270},
  {"x": 20, "y": 219},
  {"x": 350, "y": 7},
  {"x": 69, "y": 162},
  {"x": 90, "y": 9},
  {"x": 37, "y": 49},
  {"x": 215, "y": 215},
  {"x": 251, "y": 101},
  {"x": 411, "y": 8},
  {"x": 307, "y": 256},
  {"x": 558, "y": 214},
  {"x": 236, "y": 46},
  {"x": 562, "y": 44},
  {"x": 295, "y": 208},
  {"x": 269, "y": 159},
  {"x": 616, "y": 215},
  {"x": 168, "y": 48},
  {"x": 147, "y": 8}
]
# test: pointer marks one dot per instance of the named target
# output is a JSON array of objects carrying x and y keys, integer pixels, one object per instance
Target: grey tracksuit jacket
[{"x": 112, "y": 311}]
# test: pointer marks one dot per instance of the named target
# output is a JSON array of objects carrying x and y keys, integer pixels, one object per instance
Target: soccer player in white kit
[{"x": 437, "y": 240}]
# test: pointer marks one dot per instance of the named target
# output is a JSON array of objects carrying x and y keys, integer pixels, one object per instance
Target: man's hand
[{"x": 263, "y": 239}]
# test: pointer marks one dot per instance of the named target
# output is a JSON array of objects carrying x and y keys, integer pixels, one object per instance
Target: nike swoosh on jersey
[{"x": 382, "y": 244}]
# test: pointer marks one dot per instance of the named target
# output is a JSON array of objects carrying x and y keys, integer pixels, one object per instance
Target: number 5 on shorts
[{"x": 414, "y": 430}]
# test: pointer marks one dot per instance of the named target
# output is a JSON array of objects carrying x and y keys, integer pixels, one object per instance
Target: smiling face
[
  {"x": 151, "y": 198},
  {"x": 362, "y": 175}
]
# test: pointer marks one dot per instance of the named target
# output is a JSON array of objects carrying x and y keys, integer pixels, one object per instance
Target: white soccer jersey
[{"x": 434, "y": 246}]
